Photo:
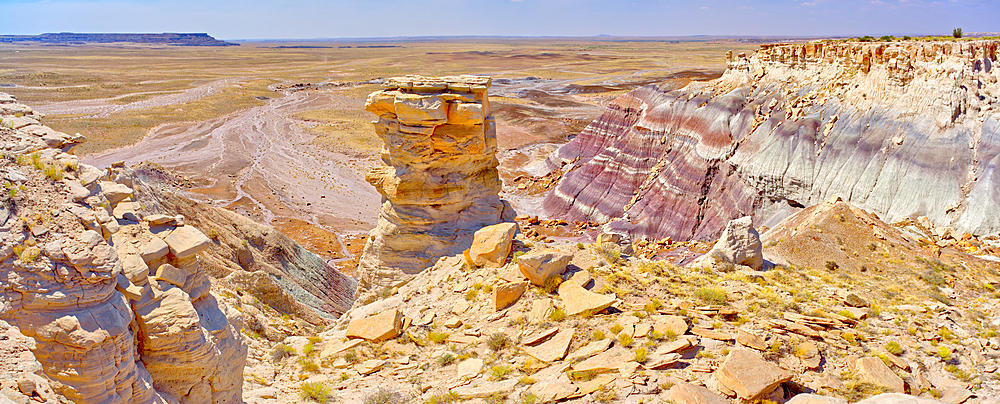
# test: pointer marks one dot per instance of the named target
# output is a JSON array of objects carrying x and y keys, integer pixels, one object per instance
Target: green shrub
[
  {"x": 641, "y": 354},
  {"x": 943, "y": 352},
  {"x": 317, "y": 392},
  {"x": 308, "y": 365},
  {"x": 282, "y": 351},
  {"x": 625, "y": 339},
  {"x": 500, "y": 372},
  {"x": 557, "y": 315},
  {"x": 53, "y": 173},
  {"x": 893, "y": 348},
  {"x": 713, "y": 296},
  {"x": 617, "y": 328},
  {"x": 597, "y": 335},
  {"x": 448, "y": 398},
  {"x": 437, "y": 337},
  {"x": 446, "y": 359},
  {"x": 956, "y": 33},
  {"x": 528, "y": 398},
  {"x": 498, "y": 341},
  {"x": 471, "y": 294}
]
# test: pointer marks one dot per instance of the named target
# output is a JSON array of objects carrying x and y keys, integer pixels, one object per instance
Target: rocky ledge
[
  {"x": 902, "y": 129},
  {"x": 114, "y": 299}
]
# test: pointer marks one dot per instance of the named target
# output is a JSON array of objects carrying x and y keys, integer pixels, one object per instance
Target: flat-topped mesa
[
  {"x": 440, "y": 181},
  {"x": 902, "y": 129}
]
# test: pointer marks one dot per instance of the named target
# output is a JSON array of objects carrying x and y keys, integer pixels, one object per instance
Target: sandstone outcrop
[
  {"x": 901, "y": 129},
  {"x": 245, "y": 254},
  {"x": 115, "y": 316},
  {"x": 439, "y": 183},
  {"x": 738, "y": 245}
]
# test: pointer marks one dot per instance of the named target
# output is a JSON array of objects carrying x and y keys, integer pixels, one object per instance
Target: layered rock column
[{"x": 439, "y": 183}]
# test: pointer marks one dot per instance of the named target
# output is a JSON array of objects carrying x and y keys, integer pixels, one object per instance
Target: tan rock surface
[
  {"x": 380, "y": 327},
  {"x": 577, "y": 300},
  {"x": 505, "y": 294},
  {"x": 747, "y": 374},
  {"x": 491, "y": 245},
  {"x": 687, "y": 393},
  {"x": 874, "y": 371},
  {"x": 538, "y": 266}
]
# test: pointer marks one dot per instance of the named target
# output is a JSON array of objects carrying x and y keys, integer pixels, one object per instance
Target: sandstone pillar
[{"x": 439, "y": 183}]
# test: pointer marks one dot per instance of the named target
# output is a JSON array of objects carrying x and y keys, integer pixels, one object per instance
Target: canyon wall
[
  {"x": 439, "y": 183},
  {"x": 902, "y": 129},
  {"x": 116, "y": 298}
]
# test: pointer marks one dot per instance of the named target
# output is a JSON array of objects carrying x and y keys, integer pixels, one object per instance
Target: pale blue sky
[{"x": 281, "y": 19}]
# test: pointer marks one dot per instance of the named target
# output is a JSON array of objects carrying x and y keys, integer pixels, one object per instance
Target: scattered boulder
[
  {"x": 539, "y": 266},
  {"x": 380, "y": 327},
  {"x": 874, "y": 371},
  {"x": 739, "y": 244},
  {"x": 749, "y": 375},
  {"x": 505, "y": 294},
  {"x": 687, "y": 393},
  {"x": 577, "y": 300},
  {"x": 492, "y": 244},
  {"x": 186, "y": 241},
  {"x": 554, "y": 349}
]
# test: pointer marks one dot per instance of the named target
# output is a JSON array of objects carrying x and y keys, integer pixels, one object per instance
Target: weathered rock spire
[{"x": 440, "y": 181}]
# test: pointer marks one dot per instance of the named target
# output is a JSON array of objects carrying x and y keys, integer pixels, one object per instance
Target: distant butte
[{"x": 175, "y": 39}]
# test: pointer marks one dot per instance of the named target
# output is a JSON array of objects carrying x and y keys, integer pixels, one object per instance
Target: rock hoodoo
[
  {"x": 440, "y": 181},
  {"x": 115, "y": 299},
  {"x": 902, "y": 129}
]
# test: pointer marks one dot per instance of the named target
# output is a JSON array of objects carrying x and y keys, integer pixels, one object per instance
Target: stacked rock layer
[
  {"x": 115, "y": 298},
  {"x": 439, "y": 183},
  {"x": 903, "y": 129}
]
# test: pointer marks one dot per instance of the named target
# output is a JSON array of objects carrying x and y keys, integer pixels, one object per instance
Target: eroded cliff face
[
  {"x": 439, "y": 183},
  {"x": 115, "y": 298},
  {"x": 903, "y": 129}
]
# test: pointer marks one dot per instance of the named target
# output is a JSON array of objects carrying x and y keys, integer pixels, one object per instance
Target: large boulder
[
  {"x": 749, "y": 375},
  {"x": 874, "y": 371},
  {"x": 539, "y": 266},
  {"x": 687, "y": 393},
  {"x": 491, "y": 245},
  {"x": 577, "y": 300},
  {"x": 380, "y": 327},
  {"x": 739, "y": 244}
]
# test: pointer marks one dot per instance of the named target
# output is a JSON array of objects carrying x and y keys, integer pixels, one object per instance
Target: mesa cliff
[
  {"x": 439, "y": 183},
  {"x": 115, "y": 298},
  {"x": 902, "y": 129}
]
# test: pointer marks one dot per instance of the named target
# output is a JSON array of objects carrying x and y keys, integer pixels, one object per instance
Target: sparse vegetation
[
  {"x": 437, "y": 337},
  {"x": 311, "y": 391},
  {"x": 383, "y": 395},
  {"x": 498, "y": 341},
  {"x": 282, "y": 351},
  {"x": 711, "y": 295},
  {"x": 557, "y": 315},
  {"x": 500, "y": 372},
  {"x": 446, "y": 359},
  {"x": 956, "y": 33}
]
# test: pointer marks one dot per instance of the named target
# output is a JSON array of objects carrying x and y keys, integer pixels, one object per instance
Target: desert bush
[
  {"x": 617, "y": 328},
  {"x": 53, "y": 173},
  {"x": 498, "y": 341},
  {"x": 282, "y": 351},
  {"x": 437, "y": 337},
  {"x": 317, "y": 392},
  {"x": 446, "y": 359},
  {"x": 308, "y": 365},
  {"x": 641, "y": 354},
  {"x": 445, "y": 398},
  {"x": 956, "y": 33},
  {"x": 471, "y": 294},
  {"x": 625, "y": 339},
  {"x": 557, "y": 315},
  {"x": 713, "y": 296},
  {"x": 597, "y": 335},
  {"x": 500, "y": 372},
  {"x": 383, "y": 395},
  {"x": 528, "y": 398}
]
